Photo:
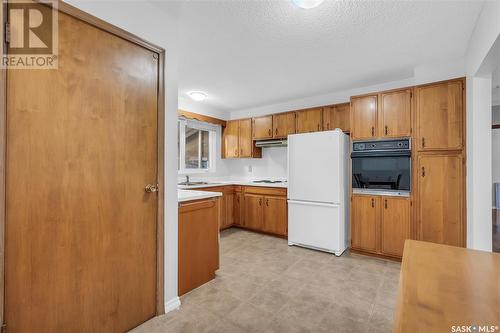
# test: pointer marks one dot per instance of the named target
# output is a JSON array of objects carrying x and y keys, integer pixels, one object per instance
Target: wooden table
[{"x": 442, "y": 287}]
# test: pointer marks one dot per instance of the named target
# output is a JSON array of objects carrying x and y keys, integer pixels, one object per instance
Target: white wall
[
  {"x": 481, "y": 60},
  {"x": 146, "y": 20},
  {"x": 422, "y": 74}
]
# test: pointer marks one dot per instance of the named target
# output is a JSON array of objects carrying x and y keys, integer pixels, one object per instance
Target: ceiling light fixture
[
  {"x": 307, "y": 4},
  {"x": 197, "y": 96}
]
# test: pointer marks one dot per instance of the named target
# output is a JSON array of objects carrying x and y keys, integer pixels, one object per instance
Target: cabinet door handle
[
  {"x": 260, "y": 202},
  {"x": 423, "y": 142},
  {"x": 385, "y": 204},
  {"x": 276, "y": 131},
  {"x": 236, "y": 152},
  {"x": 319, "y": 127},
  {"x": 373, "y": 131},
  {"x": 373, "y": 202},
  {"x": 386, "y": 130},
  {"x": 423, "y": 171},
  {"x": 267, "y": 202},
  {"x": 270, "y": 131},
  {"x": 241, "y": 151}
]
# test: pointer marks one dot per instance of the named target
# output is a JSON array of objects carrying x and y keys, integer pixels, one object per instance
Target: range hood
[{"x": 271, "y": 143}]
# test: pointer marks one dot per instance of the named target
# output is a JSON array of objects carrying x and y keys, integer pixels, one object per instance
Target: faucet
[{"x": 187, "y": 179}]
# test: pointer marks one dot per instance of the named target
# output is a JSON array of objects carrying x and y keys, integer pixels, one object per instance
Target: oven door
[{"x": 382, "y": 170}]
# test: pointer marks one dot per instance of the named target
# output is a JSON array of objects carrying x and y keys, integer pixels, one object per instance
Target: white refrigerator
[{"x": 318, "y": 176}]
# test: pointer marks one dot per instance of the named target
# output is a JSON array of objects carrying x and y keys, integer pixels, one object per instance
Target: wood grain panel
[
  {"x": 275, "y": 215},
  {"x": 440, "y": 198},
  {"x": 253, "y": 211},
  {"x": 82, "y": 241},
  {"x": 395, "y": 225},
  {"x": 337, "y": 116},
  {"x": 440, "y": 116},
  {"x": 198, "y": 243},
  {"x": 395, "y": 114},
  {"x": 283, "y": 124},
  {"x": 364, "y": 222},
  {"x": 245, "y": 138},
  {"x": 310, "y": 120},
  {"x": 231, "y": 139},
  {"x": 443, "y": 286},
  {"x": 364, "y": 117},
  {"x": 262, "y": 127}
]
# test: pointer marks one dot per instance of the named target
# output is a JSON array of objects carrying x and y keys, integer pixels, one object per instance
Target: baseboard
[{"x": 173, "y": 304}]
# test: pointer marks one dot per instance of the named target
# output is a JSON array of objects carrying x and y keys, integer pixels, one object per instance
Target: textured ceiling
[{"x": 251, "y": 53}]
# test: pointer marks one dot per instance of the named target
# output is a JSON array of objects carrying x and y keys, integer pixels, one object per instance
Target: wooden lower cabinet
[
  {"x": 258, "y": 208},
  {"x": 275, "y": 215},
  {"x": 394, "y": 225},
  {"x": 380, "y": 224},
  {"x": 253, "y": 212},
  {"x": 198, "y": 243},
  {"x": 440, "y": 198},
  {"x": 364, "y": 220}
]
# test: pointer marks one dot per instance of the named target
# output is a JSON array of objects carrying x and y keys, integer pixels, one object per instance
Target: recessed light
[
  {"x": 307, "y": 4},
  {"x": 197, "y": 96}
]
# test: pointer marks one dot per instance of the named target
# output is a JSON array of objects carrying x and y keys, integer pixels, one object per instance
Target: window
[{"x": 196, "y": 146}]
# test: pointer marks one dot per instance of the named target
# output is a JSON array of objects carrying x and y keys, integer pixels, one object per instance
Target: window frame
[{"x": 212, "y": 137}]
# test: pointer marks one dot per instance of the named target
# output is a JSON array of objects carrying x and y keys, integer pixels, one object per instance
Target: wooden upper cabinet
[
  {"x": 440, "y": 116},
  {"x": 395, "y": 225},
  {"x": 440, "y": 198},
  {"x": 337, "y": 116},
  {"x": 364, "y": 222},
  {"x": 245, "y": 138},
  {"x": 262, "y": 127},
  {"x": 283, "y": 124},
  {"x": 310, "y": 120},
  {"x": 364, "y": 117},
  {"x": 231, "y": 139},
  {"x": 275, "y": 215},
  {"x": 395, "y": 114}
]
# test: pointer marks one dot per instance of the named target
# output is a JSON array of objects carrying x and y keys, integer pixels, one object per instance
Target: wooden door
[
  {"x": 310, "y": 120},
  {"x": 364, "y": 117},
  {"x": 395, "y": 114},
  {"x": 262, "y": 127},
  {"x": 440, "y": 116},
  {"x": 275, "y": 215},
  {"x": 253, "y": 211},
  {"x": 198, "y": 243},
  {"x": 245, "y": 138},
  {"x": 337, "y": 116},
  {"x": 283, "y": 124},
  {"x": 395, "y": 225},
  {"x": 365, "y": 217},
  {"x": 81, "y": 235},
  {"x": 231, "y": 141},
  {"x": 440, "y": 199}
]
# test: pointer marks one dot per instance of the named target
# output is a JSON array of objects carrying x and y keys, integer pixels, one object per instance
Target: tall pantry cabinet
[{"x": 439, "y": 162}]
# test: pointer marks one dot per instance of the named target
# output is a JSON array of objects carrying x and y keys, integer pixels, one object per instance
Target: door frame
[{"x": 160, "y": 239}]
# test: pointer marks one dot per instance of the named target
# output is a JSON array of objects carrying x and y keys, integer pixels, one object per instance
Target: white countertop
[
  {"x": 189, "y": 195},
  {"x": 233, "y": 182}
]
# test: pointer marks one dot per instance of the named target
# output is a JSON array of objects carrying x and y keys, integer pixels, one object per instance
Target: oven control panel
[{"x": 397, "y": 144}]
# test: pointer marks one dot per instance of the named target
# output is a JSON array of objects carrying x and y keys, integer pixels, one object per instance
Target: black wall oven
[{"x": 382, "y": 165}]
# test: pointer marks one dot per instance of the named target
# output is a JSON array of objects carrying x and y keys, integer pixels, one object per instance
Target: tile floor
[{"x": 264, "y": 285}]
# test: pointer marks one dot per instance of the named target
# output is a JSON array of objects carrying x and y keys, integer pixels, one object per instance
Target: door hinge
[{"x": 7, "y": 38}]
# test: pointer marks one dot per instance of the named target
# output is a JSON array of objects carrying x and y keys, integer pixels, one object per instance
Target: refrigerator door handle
[{"x": 313, "y": 203}]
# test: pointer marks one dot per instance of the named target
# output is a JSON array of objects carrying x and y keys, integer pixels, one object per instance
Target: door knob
[{"x": 151, "y": 188}]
